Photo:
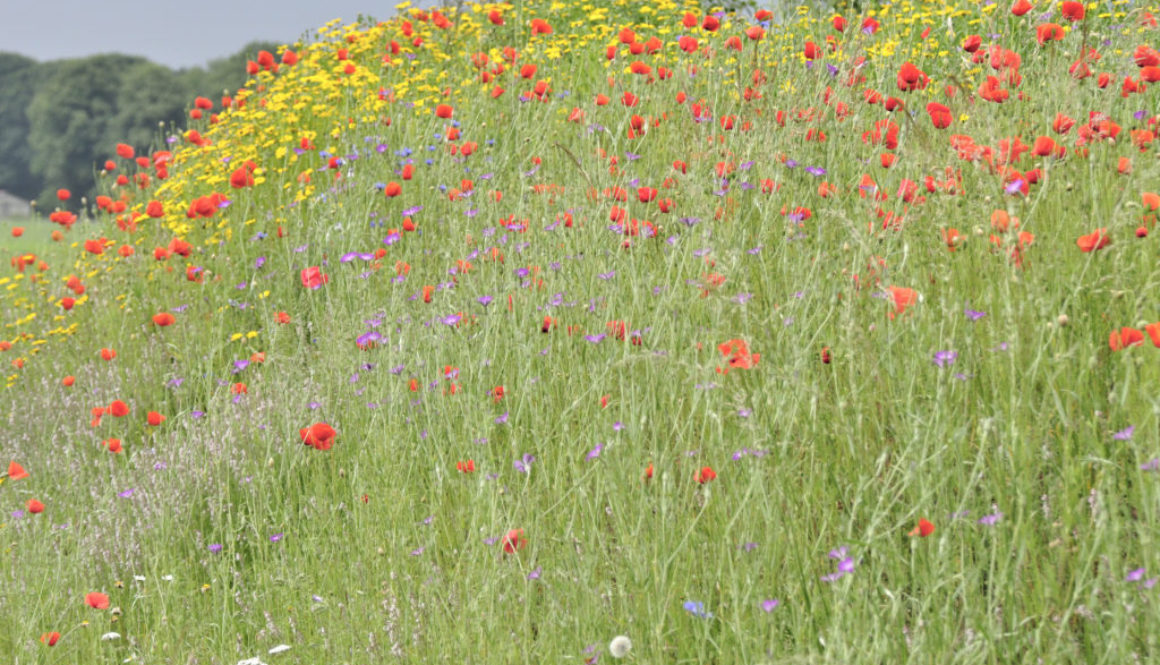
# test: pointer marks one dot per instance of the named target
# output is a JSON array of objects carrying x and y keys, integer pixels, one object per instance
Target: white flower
[
  {"x": 108, "y": 637},
  {"x": 251, "y": 661},
  {"x": 279, "y": 649},
  {"x": 619, "y": 646},
  {"x": 167, "y": 578}
]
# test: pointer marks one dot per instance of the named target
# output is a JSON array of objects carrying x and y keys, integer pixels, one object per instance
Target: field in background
[{"x": 489, "y": 337}]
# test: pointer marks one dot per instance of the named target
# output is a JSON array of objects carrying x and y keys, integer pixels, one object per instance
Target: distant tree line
[{"x": 60, "y": 120}]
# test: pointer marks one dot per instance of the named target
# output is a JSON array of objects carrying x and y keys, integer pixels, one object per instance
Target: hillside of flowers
[{"x": 564, "y": 331}]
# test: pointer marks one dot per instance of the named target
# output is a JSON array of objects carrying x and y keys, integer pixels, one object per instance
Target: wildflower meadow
[{"x": 566, "y": 331}]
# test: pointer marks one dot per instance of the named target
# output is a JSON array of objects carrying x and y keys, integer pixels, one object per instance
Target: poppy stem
[{"x": 576, "y": 162}]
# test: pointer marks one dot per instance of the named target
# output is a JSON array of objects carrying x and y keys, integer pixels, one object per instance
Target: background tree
[
  {"x": 18, "y": 76},
  {"x": 60, "y": 120},
  {"x": 68, "y": 121},
  {"x": 148, "y": 94}
]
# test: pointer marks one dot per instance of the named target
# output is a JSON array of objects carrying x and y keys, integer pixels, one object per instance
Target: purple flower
[
  {"x": 126, "y": 494},
  {"x": 368, "y": 338},
  {"x": 1135, "y": 575},
  {"x": 417, "y": 551},
  {"x": 973, "y": 315},
  {"x": 595, "y": 339},
  {"x": 1151, "y": 465},
  {"x": 990, "y": 520},
  {"x": 697, "y": 609},
  {"x": 535, "y": 574},
  {"x": 846, "y": 564},
  {"x": 451, "y": 320},
  {"x": 945, "y": 358},
  {"x": 276, "y": 537},
  {"x": 1124, "y": 434},
  {"x": 770, "y": 605},
  {"x": 524, "y": 464},
  {"x": 501, "y": 419},
  {"x": 1015, "y": 187},
  {"x": 617, "y": 426},
  {"x": 595, "y": 452},
  {"x": 215, "y": 548}
]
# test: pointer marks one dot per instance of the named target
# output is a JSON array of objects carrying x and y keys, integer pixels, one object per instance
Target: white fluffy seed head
[{"x": 620, "y": 646}]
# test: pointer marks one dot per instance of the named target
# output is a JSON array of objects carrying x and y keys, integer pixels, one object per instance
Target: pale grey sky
[{"x": 175, "y": 33}]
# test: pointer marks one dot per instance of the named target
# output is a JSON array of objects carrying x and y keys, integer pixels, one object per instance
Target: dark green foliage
[
  {"x": 59, "y": 121},
  {"x": 18, "y": 76},
  {"x": 69, "y": 116}
]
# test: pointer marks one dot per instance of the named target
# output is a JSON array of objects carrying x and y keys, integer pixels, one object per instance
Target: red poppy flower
[
  {"x": 114, "y": 445},
  {"x": 1071, "y": 10},
  {"x": 1125, "y": 337},
  {"x": 705, "y": 474},
  {"x": 923, "y": 529},
  {"x": 97, "y": 601},
  {"x": 154, "y": 419},
  {"x": 1048, "y": 32},
  {"x": 50, "y": 638},
  {"x": 312, "y": 277},
  {"x": 514, "y": 540},
  {"x": 241, "y": 177},
  {"x": 1153, "y": 330},
  {"x": 319, "y": 435},
  {"x": 108, "y": 354},
  {"x": 35, "y": 507},
  {"x": 648, "y": 471},
  {"x": 1093, "y": 241},
  {"x": 164, "y": 319},
  {"x": 465, "y": 467},
  {"x": 118, "y": 409},
  {"x": 16, "y": 472},
  {"x": 1021, "y": 7},
  {"x": 939, "y": 115},
  {"x": 903, "y": 298},
  {"x": 911, "y": 78},
  {"x": 68, "y": 381}
]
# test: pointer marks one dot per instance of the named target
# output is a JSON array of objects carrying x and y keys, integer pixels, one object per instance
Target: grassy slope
[{"x": 386, "y": 549}]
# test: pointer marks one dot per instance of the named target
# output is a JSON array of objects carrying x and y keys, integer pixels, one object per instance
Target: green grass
[{"x": 380, "y": 550}]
